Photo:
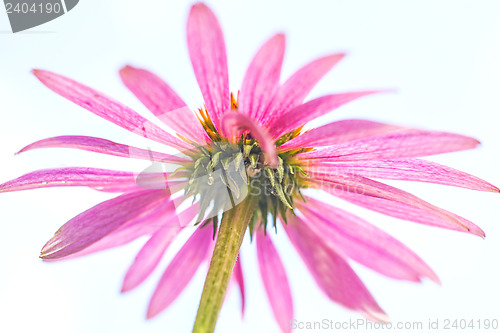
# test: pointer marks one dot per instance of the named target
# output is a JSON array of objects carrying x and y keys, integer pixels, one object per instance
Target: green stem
[{"x": 230, "y": 236}]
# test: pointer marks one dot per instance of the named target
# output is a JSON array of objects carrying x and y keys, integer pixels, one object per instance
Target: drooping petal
[
  {"x": 239, "y": 121},
  {"x": 180, "y": 270},
  {"x": 99, "y": 179},
  {"x": 339, "y": 132},
  {"x": 163, "y": 102},
  {"x": 411, "y": 143},
  {"x": 76, "y": 176},
  {"x": 261, "y": 80},
  {"x": 275, "y": 281},
  {"x": 162, "y": 180},
  {"x": 207, "y": 51},
  {"x": 100, "y": 220},
  {"x": 304, "y": 113},
  {"x": 150, "y": 255},
  {"x": 363, "y": 242},
  {"x": 391, "y": 201},
  {"x": 103, "y": 146},
  {"x": 163, "y": 216},
  {"x": 238, "y": 276},
  {"x": 332, "y": 273},
  {"x": 155, "y": 182},
  {"x": 107, "y": 108},
  {"x": 293, "y": 92},
  {"x": 410, "y": 169}
]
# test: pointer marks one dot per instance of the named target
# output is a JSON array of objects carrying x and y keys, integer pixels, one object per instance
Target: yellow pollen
[{"x": 234, "y": 102}]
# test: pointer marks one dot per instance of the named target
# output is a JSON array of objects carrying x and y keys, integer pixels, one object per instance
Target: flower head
[{"x": 251, "y": 146}]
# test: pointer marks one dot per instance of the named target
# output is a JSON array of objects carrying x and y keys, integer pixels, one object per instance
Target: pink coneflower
[{"x": 245, "y": 161}]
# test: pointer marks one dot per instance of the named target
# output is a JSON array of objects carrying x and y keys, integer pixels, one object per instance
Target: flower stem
[{"x": 230, "y": 236}]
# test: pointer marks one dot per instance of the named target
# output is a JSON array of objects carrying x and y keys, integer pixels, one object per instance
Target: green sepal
[
  {"x": 243, "y": 175},
  {"x": 225, "y": 162},
  {"x": 283, "y": 212},
  {"x": 215, "y": 159},
  {"x": 280, "y": 170},
  {"x": 199, "y": 161},
  {"x": 238, "y": 159},
  {"x": 270, "y": 175},
  {"x": 247, "y": 149},
  {"x": 254, "y": 159},
  {"x": 282, "y": 196}
]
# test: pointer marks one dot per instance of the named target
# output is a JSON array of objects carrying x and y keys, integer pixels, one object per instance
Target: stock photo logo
[{"x": 26, "y": 14}]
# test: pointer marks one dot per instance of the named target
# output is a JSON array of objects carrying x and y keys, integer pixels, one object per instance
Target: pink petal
[
  {"x": 152, "y": 182},
  {"x": 164, "y": 216},
  {"x": 163, "y": 102},
  {"x": 391, "y": 201},
  {"x": 162, "y": 180},
  {"x": 406, "y": 169},
  {"x": 411, "y": 143},
  {"x": 339, "y": 132},
  {"x": 240, "y": 121},
  {"x": 148, "y": 258},
  {"x": 262, "y": 78},
  {"x": 69, "y": 177},
  {"x": 238, "y": 276},
  {"x": 208, "y": 57},
  {"x": 302, "y": 114},
  {"x": 103, "y": 146},
  {"x": 275, "y": 281},
  {"x": 99, "y": 179},
  {"x": 189, "y": 214},
  {"x": 180, "y": 270},
  {"x": 293, "y": 92},
  {"x": 151, "y": 90},
  {"x": 363, "y": 242},
  {"x": 332, "y": 273},
  {"x": 100, "y": 220},
  {"x": 107, "y": 108}
]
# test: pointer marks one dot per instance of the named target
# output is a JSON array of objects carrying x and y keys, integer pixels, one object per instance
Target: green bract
[{"x": 223, "y": 174}]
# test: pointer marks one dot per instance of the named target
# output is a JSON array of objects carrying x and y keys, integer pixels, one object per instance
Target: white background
[{"x": 442, "y": 57}]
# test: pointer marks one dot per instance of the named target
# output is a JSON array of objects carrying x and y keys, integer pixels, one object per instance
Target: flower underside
[
  {"x": 245, "y": 167},
  {"x": 223, "y": 173}
]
